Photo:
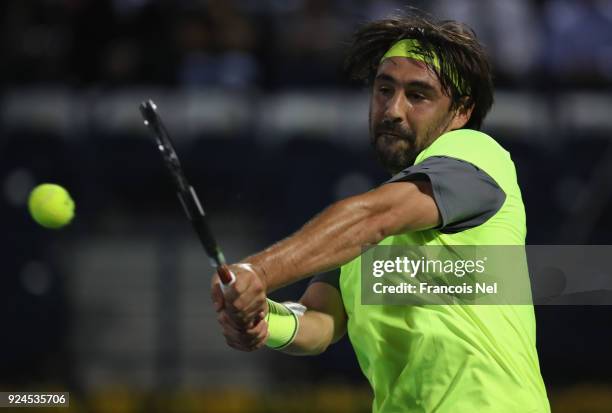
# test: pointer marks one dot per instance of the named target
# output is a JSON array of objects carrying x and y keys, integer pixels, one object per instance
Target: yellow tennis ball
[{"x": 51, "y": 206}]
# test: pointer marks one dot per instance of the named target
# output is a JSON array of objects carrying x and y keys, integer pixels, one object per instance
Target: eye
[
  {"x": 385, "y": 90},
  {"x": 415, "y": 96}
]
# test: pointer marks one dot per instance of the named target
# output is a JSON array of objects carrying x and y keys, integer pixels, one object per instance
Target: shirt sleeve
[
  {"x": 466, "y": 195},
  {"x": 331, "y": 277}
]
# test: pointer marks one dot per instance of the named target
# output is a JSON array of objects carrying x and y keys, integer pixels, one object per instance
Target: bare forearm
[
  {"x": 330, "y": 239},
  {"x": 323, "y": 324},
  {"x": 337, "y": 235},
  {"x": 314, "y": 335}
]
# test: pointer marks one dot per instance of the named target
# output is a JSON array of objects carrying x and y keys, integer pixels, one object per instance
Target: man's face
[{"x": 408, "y": 111}]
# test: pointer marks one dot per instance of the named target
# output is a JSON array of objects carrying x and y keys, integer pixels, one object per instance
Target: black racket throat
[{"x": 194, "y": 211}]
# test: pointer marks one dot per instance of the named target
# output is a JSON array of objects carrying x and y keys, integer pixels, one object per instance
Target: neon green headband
[{"x": 411, "y": 48}]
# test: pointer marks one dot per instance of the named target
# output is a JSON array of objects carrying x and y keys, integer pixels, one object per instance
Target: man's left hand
[{"x": 244, "y": 301}]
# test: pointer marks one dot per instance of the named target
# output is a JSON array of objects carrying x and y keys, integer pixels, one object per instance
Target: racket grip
[{"x": 226, "y": 276}]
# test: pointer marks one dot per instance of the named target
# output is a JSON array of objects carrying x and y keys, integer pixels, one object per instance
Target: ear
[{"x": 462, "y": 114}]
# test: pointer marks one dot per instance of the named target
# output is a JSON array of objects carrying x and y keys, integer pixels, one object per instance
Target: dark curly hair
[{"x": 455, "y": 45}]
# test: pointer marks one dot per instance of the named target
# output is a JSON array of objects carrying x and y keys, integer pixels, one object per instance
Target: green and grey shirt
[{"x": 452, "y": 358}]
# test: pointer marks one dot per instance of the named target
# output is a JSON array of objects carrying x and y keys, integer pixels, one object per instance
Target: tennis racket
[{"x": 185, "y": 192}]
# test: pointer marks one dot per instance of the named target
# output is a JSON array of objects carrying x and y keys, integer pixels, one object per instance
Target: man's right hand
[{"x": 249, "y": 339}]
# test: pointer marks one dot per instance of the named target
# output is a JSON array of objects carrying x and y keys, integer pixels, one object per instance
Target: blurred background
[{"x": 115, "y": 308}]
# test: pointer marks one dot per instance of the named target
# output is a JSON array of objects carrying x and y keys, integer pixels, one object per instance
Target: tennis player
[{"x": 451, "y": 185}]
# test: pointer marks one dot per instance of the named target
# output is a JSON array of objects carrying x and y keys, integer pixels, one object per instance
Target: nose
[{"x": 395, "y": 110}]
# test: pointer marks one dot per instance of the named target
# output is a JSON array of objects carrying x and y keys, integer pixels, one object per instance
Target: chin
[
  {"x": 394, "y": 155},
  {"x": 395, "y": 162}
]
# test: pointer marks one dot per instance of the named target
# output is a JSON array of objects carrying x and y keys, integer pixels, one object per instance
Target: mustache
[{"x": 398, "y": 131}]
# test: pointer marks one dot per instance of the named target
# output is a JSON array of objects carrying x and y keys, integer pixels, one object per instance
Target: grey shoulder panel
[
  {"x": 331, "y": 277},
  {"x": 466, "y": 195}
]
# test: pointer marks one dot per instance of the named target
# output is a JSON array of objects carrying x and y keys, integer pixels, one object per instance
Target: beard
[{"x": 395, "y": 149}]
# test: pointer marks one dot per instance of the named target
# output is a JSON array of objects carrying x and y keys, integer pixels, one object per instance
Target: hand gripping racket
[{"x": 186, "y": 194}]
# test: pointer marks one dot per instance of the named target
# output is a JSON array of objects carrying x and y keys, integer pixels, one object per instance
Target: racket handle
[{"x": 226, "y": 276}]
